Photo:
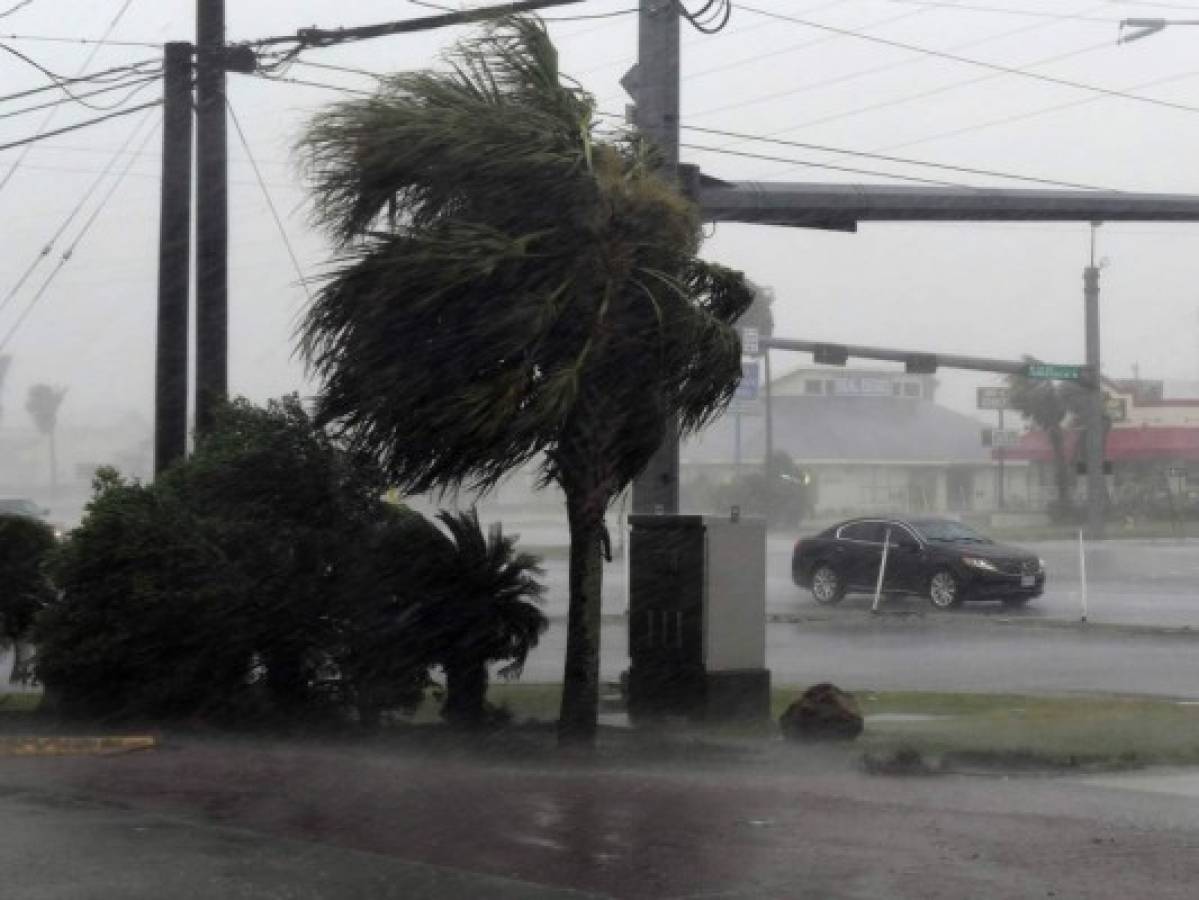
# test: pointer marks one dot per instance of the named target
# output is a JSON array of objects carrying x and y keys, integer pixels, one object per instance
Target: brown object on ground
[{"x": 824, "y": 712}]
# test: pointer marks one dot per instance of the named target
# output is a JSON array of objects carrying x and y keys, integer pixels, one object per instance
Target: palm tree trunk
[
  {"x": 1061, "y": 468},
  {"x": 578, "y": 717}
]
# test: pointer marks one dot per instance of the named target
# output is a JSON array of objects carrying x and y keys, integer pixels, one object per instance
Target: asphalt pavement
[
  {"x": 234, "y": 819},
  {"x": 1143, "y": 602}
]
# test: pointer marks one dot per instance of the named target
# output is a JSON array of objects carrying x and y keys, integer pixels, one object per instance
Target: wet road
[
  {"x": 225, "y": 819},
  {"x": 1134, "y": 587},
  {"x": 1152, "y": 583}
]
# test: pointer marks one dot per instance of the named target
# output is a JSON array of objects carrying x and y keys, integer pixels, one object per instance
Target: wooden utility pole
[
  {"x": 654, "y": 86},
  {"x": 1094, "y": 430},
  {"x": 212, "y": 214},
  {"x": 174, "y": 259}
]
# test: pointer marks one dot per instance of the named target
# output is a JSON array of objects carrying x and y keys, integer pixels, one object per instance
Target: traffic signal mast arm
[{"x": 924, "y": 362}]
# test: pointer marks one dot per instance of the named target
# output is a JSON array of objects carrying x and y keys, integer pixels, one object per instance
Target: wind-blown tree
[
  {"x": 1049, "y": 405},
  {"x": 538, "y": 297},
  {"x": 42, "y": 405},
  {"x": 485, "y": 614}
]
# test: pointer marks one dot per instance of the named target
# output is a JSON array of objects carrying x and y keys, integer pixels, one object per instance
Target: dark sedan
[{"x": 940, "y": 559}]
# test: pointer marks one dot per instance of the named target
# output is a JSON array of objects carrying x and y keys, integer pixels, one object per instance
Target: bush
[
  {"x": 265, "y": 577},
  {"x": 148, "y": 621},
  {"x": 25, "y": 545}
]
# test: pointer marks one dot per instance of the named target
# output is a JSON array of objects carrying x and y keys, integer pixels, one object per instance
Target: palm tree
[
  {"x": 536, "y": 297},
  {"x": 484, "y": 613},
  {"x": 42, "y": 405},
  {"x": 1049, "y": 405}
]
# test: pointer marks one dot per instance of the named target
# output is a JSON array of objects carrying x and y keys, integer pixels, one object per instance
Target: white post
[
  {"x": 1082, "y": 576},
  {"x": 882, "y": 569}
]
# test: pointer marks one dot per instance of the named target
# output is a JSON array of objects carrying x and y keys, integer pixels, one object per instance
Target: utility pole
[
  {"x": 174, "y": 259},
  {"x": 654, "y": 86},
  {"x": 1096, "y": 479},
  {"x": 999, "y": 473},
  {"x": 212, "y": 214}
]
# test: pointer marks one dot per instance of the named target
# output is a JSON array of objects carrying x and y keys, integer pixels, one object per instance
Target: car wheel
[
  {"x": 827, "y": 586},
  {"x": 944, "y": 589}
]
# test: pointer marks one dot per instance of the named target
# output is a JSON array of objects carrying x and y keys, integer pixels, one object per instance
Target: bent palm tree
[{"x": 537, "y": 296}]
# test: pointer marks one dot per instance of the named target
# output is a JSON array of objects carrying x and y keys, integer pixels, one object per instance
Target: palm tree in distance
[
  {"x": 1049, "y": 405},
  {"x": 537, "y": 297},
  {"x": 42, "y": 405}
]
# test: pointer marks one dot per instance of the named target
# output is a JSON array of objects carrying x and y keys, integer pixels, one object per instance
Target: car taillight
[{"x": 798, "y": 545}]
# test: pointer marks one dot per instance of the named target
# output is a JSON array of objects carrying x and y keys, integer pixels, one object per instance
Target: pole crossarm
[
  {"x": 837, "y": 353},
  {"x": 841, "y": 207}
]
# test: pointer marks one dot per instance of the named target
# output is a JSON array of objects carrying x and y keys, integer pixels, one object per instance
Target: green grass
[
  {"x": 19, "y": 703},
  {"x": 986, "y": 729}
]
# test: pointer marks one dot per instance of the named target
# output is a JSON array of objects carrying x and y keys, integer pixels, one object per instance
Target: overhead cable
[
  {"x": 70, "y": 251},
  {"x": 245, "y": 144},
  {"x": 116, "y": 20},
  {"x": 48, "y": 248},
  {"x": 966, "y": 60},
  {"x": 46, "y": 135}
]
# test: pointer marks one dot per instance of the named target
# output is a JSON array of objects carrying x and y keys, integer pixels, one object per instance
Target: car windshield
[{"x": 948, "y": 530}]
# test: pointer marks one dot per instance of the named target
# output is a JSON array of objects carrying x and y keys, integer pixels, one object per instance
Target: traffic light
[
  {"x": 920, "y": 363},
  {"x": 830, "y": 354}
]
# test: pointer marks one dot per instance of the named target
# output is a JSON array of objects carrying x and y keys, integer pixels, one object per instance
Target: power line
[
  {"x": 887, "y": 67},
  {"x": 966, "y": 60},
  {"x": 267, "y": 196},
  {"x": 819, "y": 165},
  {"x": 14, "y": 8},
  {"x": 134, "y": 87},
  {"x": 286, "y": 79},
  {"x": 46, "y": 135},
  {"x": 116, "y": 20},
  {"x": 87, "y": 195},
  {"x": 1026, "y": 13},
  {"x": 104, "y": 76},
  {"x": 70, "y": 251},
  {"x": 966, "y": 170},
  {"x": 57, "y": 39}
]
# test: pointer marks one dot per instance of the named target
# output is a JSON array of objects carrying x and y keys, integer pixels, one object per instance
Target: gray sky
[{"x": 998, "y": 290}]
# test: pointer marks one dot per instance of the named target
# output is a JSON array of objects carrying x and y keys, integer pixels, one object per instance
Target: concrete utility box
[{"x": 697, "y": 618}]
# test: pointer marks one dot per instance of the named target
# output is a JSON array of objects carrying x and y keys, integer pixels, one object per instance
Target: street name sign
[
  {"x": 1055, "y": 372},
  {"x": 1000, "y": 438},
  {"x": 994, "y": 398}
]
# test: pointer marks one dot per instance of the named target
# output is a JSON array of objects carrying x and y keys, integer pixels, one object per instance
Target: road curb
[{"x": 30, "y": 745}]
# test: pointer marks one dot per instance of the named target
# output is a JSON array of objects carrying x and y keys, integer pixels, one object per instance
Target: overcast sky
[{"x": 993, "y": 290}]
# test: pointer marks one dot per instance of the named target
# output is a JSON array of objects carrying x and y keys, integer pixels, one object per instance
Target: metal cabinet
[{"x": 697, "y": 617}]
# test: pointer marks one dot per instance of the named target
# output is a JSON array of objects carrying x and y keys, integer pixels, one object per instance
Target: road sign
[
  {"x": 1000, "y": 438},
  {"x": 750, "y": 382},
  {"x": 749, "y": 341},
  {"x": 1055, "y": 372},
  {"x": 994, "y": 398}
]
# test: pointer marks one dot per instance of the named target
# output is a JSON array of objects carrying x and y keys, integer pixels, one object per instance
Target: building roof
[
  {"x": 852, "y": 429},
  {"x": 1143, "y": 444}
]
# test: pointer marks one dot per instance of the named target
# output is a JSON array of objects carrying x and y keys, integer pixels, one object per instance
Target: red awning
[{"x": 1145, "y": 444}]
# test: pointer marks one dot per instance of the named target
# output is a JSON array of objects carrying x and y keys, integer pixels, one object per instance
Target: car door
[
  {"x": 904, "y": 560},
  {"x": 863, "y": 551}
]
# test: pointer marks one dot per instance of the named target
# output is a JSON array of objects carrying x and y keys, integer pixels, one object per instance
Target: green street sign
[{"x": 1055, "y": 372}]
